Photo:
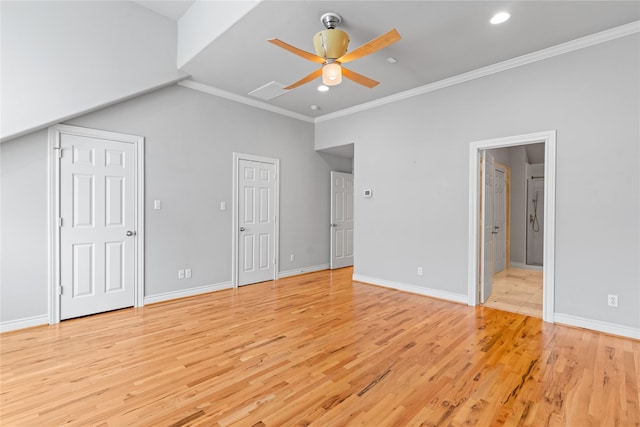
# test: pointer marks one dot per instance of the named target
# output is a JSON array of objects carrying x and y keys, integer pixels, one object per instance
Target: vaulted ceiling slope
[{"x": 61, "y": 59}]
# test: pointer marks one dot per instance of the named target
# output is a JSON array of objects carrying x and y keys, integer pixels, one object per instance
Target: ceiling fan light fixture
[
  {"x": 331, "y": 74},
  {"x": 331, "y": 43}
]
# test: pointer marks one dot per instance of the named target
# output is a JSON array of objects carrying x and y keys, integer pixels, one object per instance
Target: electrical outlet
[
  {"x": 612, "y": 300},
  {"x": 419, "y": 271},
  {"x": 180, "y": 274},
  {"x": 187, "y": 273},
  {"x": 292, "y": 257}
]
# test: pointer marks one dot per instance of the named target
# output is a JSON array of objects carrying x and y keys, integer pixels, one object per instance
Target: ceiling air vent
[{"x": 269, "y": 91}]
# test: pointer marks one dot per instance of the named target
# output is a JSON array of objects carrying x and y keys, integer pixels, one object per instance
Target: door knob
[
  {"x": 131, "y": 233},
  {"x": 242, "y": 228},
  {"x": 334, "y": 225}
]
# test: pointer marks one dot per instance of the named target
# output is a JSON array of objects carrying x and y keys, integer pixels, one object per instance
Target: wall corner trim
[
  {"x": 597, "y": 325},
  {"x": 414, "y": 289},
  {"x": 204, "y": 88}
]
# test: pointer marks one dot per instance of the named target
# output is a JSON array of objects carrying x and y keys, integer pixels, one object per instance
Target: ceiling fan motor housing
[{"x": 331, "y": 44}]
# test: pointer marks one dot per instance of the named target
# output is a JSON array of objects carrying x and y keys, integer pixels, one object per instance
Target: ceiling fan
[{"x": 331, "y": 51}]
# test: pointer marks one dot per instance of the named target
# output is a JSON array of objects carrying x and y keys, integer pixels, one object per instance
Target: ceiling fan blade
[
  {"x": 378, "y": 43},
  {"x": 317, "y": 73},
  {"x": 358, "y": 78},
  {"x": 296, "y": 51}
]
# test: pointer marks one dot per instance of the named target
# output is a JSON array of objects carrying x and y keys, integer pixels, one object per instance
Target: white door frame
[
  {"x": 234, "y": 214},
  {"x": 53, "y": 204},
  {"x": 548, "y": 283}
]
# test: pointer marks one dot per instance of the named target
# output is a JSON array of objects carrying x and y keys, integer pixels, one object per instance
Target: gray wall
[
  {"x": 518, "y": 158},
  {"x": 190, "y": 138},
  {"x": 414, "y": 155},
  {"x": 23, "y": 227}
]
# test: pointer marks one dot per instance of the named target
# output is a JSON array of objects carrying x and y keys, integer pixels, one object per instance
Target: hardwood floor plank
[{"x": 316, "y": 349}]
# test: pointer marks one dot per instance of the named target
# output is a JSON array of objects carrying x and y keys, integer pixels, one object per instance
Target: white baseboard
[
  {"x": 186, "y": 292},
  {"x": 434, "y": 293},
  {"x": 27, "y": 322},
  {"x": 597, "y": 325},
  {"x": 524, "y": 266},
  {"x": 303, "y": 270}
]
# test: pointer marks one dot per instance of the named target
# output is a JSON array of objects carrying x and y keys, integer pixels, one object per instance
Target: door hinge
[
  {"x": 59, "y": 150},
  {"x": 59, "y": 290},
  {"x": 60, "y": 222}
]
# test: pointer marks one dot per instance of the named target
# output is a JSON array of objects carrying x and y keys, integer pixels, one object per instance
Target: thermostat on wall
[{"x": 368, "y": 193}]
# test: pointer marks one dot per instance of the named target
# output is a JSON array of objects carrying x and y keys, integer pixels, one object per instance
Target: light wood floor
[
  {"x": 518, "y": 291},
  {"x": 316, "y": 350}
]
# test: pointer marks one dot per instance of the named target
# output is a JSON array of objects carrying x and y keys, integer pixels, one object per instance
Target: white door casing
[
  {"x": 255, "y": 219},
  {"x": 488, "y": 187},
  {"x": 474, "y": 266},
  {"x": 499, "y": 221},
  {"x": 341, "y": 220},
  {"x": 96, "y": 259}
]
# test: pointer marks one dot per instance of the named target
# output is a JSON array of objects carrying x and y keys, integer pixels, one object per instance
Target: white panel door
[
  {"x": 256, "y": 220},
  {"x": 487, "y": 226},
  {"x": 500, "y": 221},
  {"x": 341, "y": 219},
  {"x": 97, "y": 207}
]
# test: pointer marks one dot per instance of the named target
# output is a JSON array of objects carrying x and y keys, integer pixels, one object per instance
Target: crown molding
[
  {"x": 570, "y": 46},
  {"x": 201, "y": 87}
]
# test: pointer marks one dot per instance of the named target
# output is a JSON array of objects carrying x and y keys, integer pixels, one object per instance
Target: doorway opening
[
  {"x": 515, "y": 285},
  {"x": 481, "y": 244}
]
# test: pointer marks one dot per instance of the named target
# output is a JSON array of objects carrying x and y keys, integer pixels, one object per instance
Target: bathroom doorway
[{"x": 482, "y": 285}]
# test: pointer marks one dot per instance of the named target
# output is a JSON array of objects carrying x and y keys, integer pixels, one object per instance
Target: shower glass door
[{"x": 535, "y": 220}]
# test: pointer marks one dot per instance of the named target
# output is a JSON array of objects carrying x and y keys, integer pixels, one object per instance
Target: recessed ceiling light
[
  {"x": 323, "y": 88},
  {"x": 392, "y": 60},
  {"x": 500, "y": 17},
  {"x": 314, "y": 107}
]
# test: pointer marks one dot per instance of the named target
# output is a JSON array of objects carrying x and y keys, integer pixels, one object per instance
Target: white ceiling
[{"x": 440, "y": 39}]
